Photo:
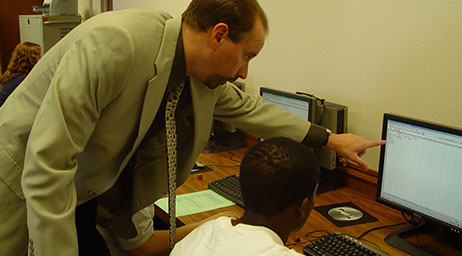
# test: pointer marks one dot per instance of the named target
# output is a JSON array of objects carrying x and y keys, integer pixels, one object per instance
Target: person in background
[
  {"x": 278, "y": 178},
  {"x": 24, "y": 57}
]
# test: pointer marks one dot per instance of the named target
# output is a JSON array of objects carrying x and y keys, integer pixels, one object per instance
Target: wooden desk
[{"x": 223, "y": 165}]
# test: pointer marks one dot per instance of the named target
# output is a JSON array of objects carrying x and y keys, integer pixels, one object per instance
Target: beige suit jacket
[{"x": 70, "y": 128}]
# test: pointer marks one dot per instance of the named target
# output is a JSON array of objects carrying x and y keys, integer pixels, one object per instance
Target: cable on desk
[
  {"x": 322, "y": 104},
  {"x": 309, "y": 235},
  {"x": 376, "y": 245},
  {"x": 231, "y": 158},
  {"x": 414, "y": 222},
  {"x": 224, "y": 166},
  {"x": 228, "y": 166},
  {"x": 380, "y": 227}
]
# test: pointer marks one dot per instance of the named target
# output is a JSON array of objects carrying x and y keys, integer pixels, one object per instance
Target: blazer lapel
[
  {"x": 155, "y": 90},
  {"x": 156, "y": 86}
]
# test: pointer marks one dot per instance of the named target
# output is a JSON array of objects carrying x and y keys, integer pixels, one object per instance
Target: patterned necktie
[{"x": 170, "y": 133}]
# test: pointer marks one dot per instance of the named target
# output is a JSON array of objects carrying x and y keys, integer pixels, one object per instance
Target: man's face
[{"x": 230, "y": 60}]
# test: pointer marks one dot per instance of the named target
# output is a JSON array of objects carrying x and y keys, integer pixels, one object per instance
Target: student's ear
[
  {"x": 218, "y": 33},
  {"x": 305, "y": 208}
]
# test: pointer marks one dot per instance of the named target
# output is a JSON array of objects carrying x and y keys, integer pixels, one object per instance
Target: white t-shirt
[{"x": 220, "y": 237}]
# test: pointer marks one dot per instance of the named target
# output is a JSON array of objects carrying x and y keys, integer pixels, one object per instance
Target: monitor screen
[
  {"x": 420, "y": 170},
  {"x": 303, "y": 106}
]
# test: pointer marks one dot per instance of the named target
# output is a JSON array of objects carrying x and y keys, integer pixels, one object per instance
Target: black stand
[
  {"x": 398, "y": 240},
  {"x": 329, "y": 180},
  {"x": 221, "y": 142}
]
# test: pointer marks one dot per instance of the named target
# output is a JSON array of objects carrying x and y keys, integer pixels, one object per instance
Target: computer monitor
[
  {"x": 420, "y": 174},
  {"x": 301, "y": 105},
  {"x": 304, "y": 106}
]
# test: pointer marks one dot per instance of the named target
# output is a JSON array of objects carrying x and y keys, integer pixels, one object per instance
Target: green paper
[{"x": 195, "y": 202}]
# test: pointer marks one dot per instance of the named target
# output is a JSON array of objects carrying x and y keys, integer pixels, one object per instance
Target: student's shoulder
[
  {"x": 266, "y": 242},
  {"x": 280, "y": 250},
  {"x": 270, "y": 250},
  {"x": 292, "y": 252}
]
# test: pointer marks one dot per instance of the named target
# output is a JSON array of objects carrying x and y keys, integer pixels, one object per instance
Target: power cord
[
  {"x": 309, "y": 238},
  {"x": 228, "y": 166},
  {"x": 414, "y": 222},
  {"x": 380, "y": 227},
  {"x": 311, "y": 95},
  {"x": 231, "y": 158}
]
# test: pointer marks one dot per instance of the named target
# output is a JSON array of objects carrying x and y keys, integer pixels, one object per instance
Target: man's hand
[{"x": 352, "y": 147}]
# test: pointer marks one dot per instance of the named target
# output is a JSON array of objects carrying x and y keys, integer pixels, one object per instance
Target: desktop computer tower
[
  {"x": 44, "y": 30},
  {"x": 335, "y": 117}
]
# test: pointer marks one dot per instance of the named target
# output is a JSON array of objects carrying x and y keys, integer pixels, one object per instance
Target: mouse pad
[{"x": 366, "y": 217}]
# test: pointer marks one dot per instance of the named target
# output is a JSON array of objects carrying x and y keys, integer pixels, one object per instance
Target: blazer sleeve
[
  {"x": 251, "y": 114},
  {"x": 90, "y": 75}
]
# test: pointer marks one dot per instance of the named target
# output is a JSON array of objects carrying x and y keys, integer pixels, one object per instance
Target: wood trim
[
  {"x": 110, "y": 7},
  {"x": 366, "y": 175}
]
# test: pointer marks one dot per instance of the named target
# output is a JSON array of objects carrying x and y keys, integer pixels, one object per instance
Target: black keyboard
[
  {"x": 229, "y": 188},
  {"x": 337, "y": 243}
]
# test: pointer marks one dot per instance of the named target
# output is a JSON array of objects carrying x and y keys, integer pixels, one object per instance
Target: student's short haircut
[
  {"x": 277, "y": 173},
  {"x": 239, "y": 15}
]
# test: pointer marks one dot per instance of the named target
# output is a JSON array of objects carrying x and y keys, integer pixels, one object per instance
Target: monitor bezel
[
  {"x": 311, "y": 100},
  {"x": 416, "y": 122}
]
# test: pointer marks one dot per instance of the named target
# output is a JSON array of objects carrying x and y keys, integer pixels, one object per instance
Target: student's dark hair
[
  {"x": 277, "y": 173},
  {"x": 239, "y": 15}
]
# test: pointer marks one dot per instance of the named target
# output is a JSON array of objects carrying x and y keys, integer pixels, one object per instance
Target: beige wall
[
  {"x": 374, "y": 56},
  {"x": 90, "y": 8}
]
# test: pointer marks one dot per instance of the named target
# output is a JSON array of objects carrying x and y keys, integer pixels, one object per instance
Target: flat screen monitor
[
  {"x": 420, "y": 170},
  {"x": 301, "y": 105}
]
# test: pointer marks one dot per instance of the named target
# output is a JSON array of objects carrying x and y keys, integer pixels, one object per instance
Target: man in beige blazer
[{"x": 76, "y": 130}]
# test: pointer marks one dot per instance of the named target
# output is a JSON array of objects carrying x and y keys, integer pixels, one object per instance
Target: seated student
[
  {"x": 279, "y": 179},
  {"x": 24, "y": 57}
]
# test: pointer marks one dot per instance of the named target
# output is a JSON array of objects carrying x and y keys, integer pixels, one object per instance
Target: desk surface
[{"x": 226, "y": 163}]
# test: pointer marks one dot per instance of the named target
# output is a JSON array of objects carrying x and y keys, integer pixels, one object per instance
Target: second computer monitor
[
  {"x": 420, "y": 173},
  {"x": 301, "y": 105}
]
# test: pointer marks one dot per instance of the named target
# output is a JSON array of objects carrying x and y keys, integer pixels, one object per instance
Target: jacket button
[
  {"x": 31, "y": 247},
  {"x": 92, "y": 193}
]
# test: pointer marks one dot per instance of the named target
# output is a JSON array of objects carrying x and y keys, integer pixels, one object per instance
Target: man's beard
[{"x": 214, "y": 80}]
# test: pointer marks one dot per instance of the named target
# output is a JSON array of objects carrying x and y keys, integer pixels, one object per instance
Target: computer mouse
[
  {"x": 199, "y": 164},
  {"x": 345, "y": 213}
]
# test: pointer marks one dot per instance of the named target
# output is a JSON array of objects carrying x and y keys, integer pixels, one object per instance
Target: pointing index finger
[{"x": 375, "y": 143}]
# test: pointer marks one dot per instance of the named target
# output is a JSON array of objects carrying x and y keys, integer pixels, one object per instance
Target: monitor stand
[{"x": 398, "y": 240}]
